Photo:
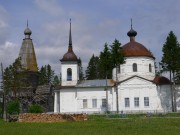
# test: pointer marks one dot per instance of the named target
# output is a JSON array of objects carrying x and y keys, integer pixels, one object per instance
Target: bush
[
  {"x": 13, "y": 107},
  {"x": 35, "y": 108}
]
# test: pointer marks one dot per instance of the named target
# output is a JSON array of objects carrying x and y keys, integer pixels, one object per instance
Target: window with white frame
[
  {"x": 84, "y": 103},
  {"x": 104, "y": 103},
  {"x": 146, "y": 101},
  {"x": 94, "y": 103},
  {"x": 136, "y": 101},
  {"x": 127, "y": 103}
]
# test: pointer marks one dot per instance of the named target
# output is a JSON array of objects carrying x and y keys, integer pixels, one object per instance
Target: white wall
[
  {"x": 178, "y": 96},
  {"x": 68, "y": 100},
  {"x": 93, "y": 93},
  {"x": 126, "y": 69},
  {"x": 164, "y": 93},
  {"x": 71, "y": 100},
  {"x": 137, "y": 87},
  {"x": 75, "y": 74}
]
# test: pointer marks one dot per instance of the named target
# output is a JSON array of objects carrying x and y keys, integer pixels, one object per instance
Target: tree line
[
  {"x": 15, "y": 77},
  {"x": 100, "y": 67}
]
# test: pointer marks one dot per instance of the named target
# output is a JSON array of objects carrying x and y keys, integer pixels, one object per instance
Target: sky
[{"x": 94, "y": 23}]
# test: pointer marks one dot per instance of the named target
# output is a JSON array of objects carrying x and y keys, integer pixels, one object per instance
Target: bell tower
[{"x": 69, "y": 65}]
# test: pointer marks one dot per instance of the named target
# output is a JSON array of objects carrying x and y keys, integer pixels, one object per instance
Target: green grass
[{"x": 97, "y": 125}]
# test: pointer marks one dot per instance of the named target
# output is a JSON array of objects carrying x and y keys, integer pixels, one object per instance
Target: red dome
[
  {"x": 69, "y": 56},
  {"x": 136, "y": 49}
]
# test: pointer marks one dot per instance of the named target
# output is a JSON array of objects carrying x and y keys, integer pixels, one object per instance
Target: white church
[{"x": 136, "y": 88}]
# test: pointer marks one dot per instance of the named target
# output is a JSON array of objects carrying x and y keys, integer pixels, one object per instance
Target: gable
[{"x": 136, "y": 81}]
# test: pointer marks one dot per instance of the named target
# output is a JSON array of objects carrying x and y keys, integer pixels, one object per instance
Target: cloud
[
  {"x": 93, "y": 24},
  {"x": 50, "y": 6},
  {"x": 8, "y": 53},
  {"x": 3, "y": 25}
]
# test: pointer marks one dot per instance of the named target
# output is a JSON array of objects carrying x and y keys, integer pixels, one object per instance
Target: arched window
[
  {"x": 134, "y": 67},
  {"x": 69, "y": 74},
  {"x": 150, "y": 68}
]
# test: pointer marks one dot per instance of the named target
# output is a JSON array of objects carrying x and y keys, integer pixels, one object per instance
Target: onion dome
[
  {"x": 134, "y": 48},
  {"x": 70, "y": 55},
  {"x": 132, "y": 32},
  {"x": 27, "y": 32}
]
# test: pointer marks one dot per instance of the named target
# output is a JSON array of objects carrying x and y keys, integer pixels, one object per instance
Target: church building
[{"x": 135, "y": 87}]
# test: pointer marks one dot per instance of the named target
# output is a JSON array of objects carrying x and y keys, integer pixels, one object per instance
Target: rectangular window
[
  {"x": 84, "y": 103},
  {"x": 104, "y": 102},
  {"x": 136, "y": 102},
  {"x": 146, "y": 101},
  {"x": 94, "y": 103},
  {"x": 127, "y": 104}
]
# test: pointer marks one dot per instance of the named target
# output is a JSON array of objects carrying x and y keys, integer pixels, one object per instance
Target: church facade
[{"x": 134, "y": 86}]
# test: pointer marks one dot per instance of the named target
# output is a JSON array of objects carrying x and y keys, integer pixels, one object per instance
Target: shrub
[
  {"x": 35, "y": 108},
  {"x": 13, "y": 107}
]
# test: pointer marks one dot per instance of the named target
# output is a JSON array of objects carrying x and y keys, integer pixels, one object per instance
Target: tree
[
  {"x": 117, "y": 58},
  {"x": 105, "y": 64},
  {"x": 81, "y": 75},
  {"x": 46, "y": 75},
  {"x": 117, "y": 55},
  {"x": 56, "y": 80},
  {"x": 50, "y": 74},
  {"x": 15, "y": 78},
  {"x": 42, "y": 76},
  {"x": 92, "y": 71},
  {"x": 171, "y": 61}
]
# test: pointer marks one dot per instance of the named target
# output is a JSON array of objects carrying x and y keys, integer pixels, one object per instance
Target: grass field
[{"x": 97, "y": 125}]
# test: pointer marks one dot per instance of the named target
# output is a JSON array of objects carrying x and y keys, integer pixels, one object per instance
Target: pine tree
[
  {"x": 7, "y": 80},
  {"x": 117, "y": 55},
  {"x": 171, "y": 61},
  {"x": 46, "y": 75},
  {"x": 92, "y": 71},
  {"x": 15, "y": 78},
  {"x": 56, "y": 80},
  {"x": 42, "y": 76},
  {"x": 50, "y": 74},
  {"x": 117, "y": 58},
  {"x": 105, "y": 64},
  {"x": 81, "y": 75}
]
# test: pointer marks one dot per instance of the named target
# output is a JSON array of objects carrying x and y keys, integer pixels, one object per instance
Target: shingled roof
[{"x": 27, "y": 53}]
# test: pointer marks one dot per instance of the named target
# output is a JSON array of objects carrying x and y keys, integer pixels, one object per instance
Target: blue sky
[{"x": 94, "y": 22}]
